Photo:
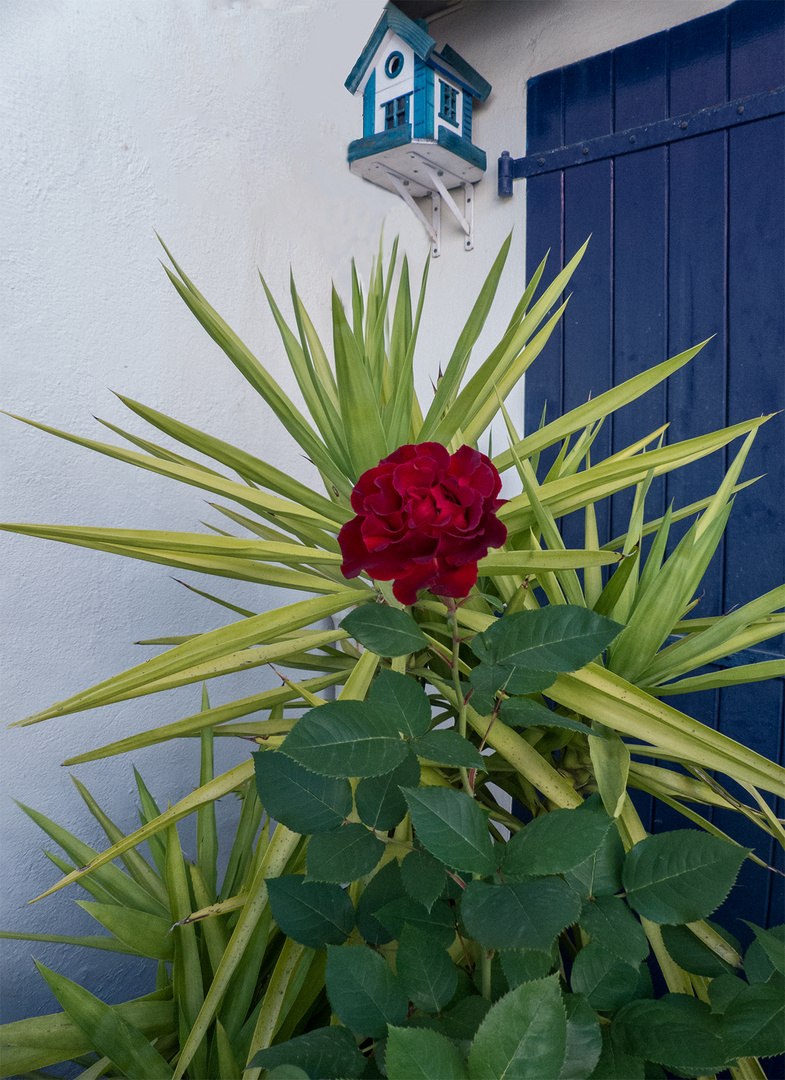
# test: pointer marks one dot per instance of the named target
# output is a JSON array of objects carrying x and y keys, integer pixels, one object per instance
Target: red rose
[{"x": 424, "y": 518}]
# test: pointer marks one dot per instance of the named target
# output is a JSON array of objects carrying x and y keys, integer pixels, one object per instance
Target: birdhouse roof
[{"x": 423, "y": 45}]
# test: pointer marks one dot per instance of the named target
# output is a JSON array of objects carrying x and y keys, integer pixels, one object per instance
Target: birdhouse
[{"x": 417, "y": 120}]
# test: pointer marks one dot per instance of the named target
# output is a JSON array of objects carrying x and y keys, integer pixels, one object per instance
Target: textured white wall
[{"x": 223, "y": 125}]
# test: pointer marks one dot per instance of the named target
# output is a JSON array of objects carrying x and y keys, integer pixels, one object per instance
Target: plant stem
[
  {"x": 487, "y": 959},
  {"x": 452, "y": 619}
]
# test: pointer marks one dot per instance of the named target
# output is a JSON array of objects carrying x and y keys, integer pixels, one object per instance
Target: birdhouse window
[
  {"x": 396, "y": 112},
  {"x": 449, "y": 109},
  {"x": 394, "y": 65}
]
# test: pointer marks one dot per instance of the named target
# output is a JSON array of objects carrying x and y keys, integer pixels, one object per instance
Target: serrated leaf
[
  {"x": 680, "y": 876},
  {"x": 724, "y": 990},
  {"x": 312, "y": 913},
  {"x": 555, "y": 842},
  {"x": 303, "y": 801},
  {"x": 527, "y": 914},
  {"x": 526, "y": 965},
  {"x": 439, "y": 922},
  {"x": 614, "y": 1064},
  {"x": 522, "y": 712},
  {"x": 606, "y": 982},
  {"x": 419, "y": 1054},
  {"x": 384, "y": 887},
  {"x": 423, "y": 877},
  {"x": 772, "y": 942},
  {"x": 404, "y": 699},
  {"x": 523, "y": 1037},
  {"x": 584, "y": 1039},
  {"x": 676, "y": 1031},
  {"x": 385, "y": 630},
  {"x": 609, "y": 921},
  {"x": 600, "y": 874},
  {"x": 378, "y": 799},
  {"x": 691, "y": 954},
  {"x": 463, "y": 1019},
  {"x": 326, "y": 1052},
  {"x": 448, "y": 747},
  {"x": 345, "y": 738},
  {"x": 487, "y": 679},
  {"x": 425, "y": 969},
  {"x": 344, "y": 854},
  {"x": 755, "y": 1023},
  {"x": 110, "y": 1035},
  {"x": 557, "y": 638},
  {"x": 363, "y": 991},
  {"x": 452, "y": 827}
]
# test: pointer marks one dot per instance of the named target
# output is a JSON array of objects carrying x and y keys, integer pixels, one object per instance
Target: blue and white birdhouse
[{"x": 417, "y": 119}]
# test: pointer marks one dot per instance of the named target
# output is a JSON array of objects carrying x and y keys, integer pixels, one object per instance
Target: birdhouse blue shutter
[
  {"x": 467, "y": 116},
  {"x": 670, "y": 153},
  {"x": 369, "y": 106},
  {"x": 423, "y": 99}
]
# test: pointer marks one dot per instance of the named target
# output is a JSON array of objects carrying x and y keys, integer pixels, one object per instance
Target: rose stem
[{"x": 452, "y": 619}]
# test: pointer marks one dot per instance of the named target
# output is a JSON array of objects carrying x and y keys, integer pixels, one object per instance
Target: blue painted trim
[
  {"x": 452, "y": 75},
  {"x": 420, "y": 42},
  {"x": 456, "y": 144},
  {"x": 467, "y": 117},
  {"x": 393, "y": 101},
  {"x": 480, "y": 87},
  {"x": 731, "y": 114},
  {"x": 420, "y": 118},
  {"x": 394, "y": 58},
  {"x": 369, "y": 105},
  {"x": 385, "y": 140}
]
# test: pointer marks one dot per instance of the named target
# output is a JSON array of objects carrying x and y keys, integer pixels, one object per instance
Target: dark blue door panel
[{"x": 688, "y": 243}]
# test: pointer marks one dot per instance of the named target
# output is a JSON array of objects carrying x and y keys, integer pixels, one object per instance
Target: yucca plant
[{"x": 546, "y": 663}]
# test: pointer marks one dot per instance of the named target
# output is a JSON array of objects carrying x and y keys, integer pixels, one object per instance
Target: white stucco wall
[{"x": 223, "y": 125}]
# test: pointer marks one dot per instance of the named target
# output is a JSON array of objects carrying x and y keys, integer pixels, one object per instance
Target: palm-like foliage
[{"x": 361, "y": 408}]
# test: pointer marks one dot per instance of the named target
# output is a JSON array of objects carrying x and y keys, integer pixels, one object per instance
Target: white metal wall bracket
[{"x": 434, "y": 227}]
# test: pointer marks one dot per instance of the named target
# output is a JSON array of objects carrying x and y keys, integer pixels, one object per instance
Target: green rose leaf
[
  {"x": 614, "y": 1064},
  {"x": 584, "y": 1039},
  {"x": 609, "y": 921},
  {"x": 600, "y": 874},
  {"x": 526, "y": 965},
  {"x": 691, "y": 954},
  {"x": 384, "y": 887},
  {"x": 420, "y": 1054},
  {"x": 522, "y": 712},
  {"x": 312, "y": 913},
  {"x": 772, "y": 942},
  {"x": 462, "y": 1020},
  {"x": 363, "y": 991},
  {"x": 524, "y": 1035},
  {"x": 288, "y": 1072},
  {"x": 529, "y": 914},
  {"x": 425, "y": 969},
  {"x": 448, "y": 747},
  {"x": 326, "y": 1052},
  {"x": 606, "y": 982},
  {"x": 343, "y": 855},
  {"x": 487, "y": 679},
  {"x": 301, "y": 800},
  {"x": 755, "y": 1023},
  {"x": 555, "y": 842},
  {"x": 423, "y": 877},
  {"x": 558, "y": 638},
  {"x": 680, "y": 876},
  {"x": 724, "y": 990},
  {"x": 378, "y": 799},
  {"x": 677, "y": 1031},
  {"x": 452, "y": 827},
  {"x": 385, "y": 630},
  {"x": 346, "y": 738},
  {"x": 439, "y": 922},
  {"x": 404, "y": 701}
]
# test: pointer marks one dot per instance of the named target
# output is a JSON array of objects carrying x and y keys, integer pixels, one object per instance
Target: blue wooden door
[{"x": 670, "y": 152}]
